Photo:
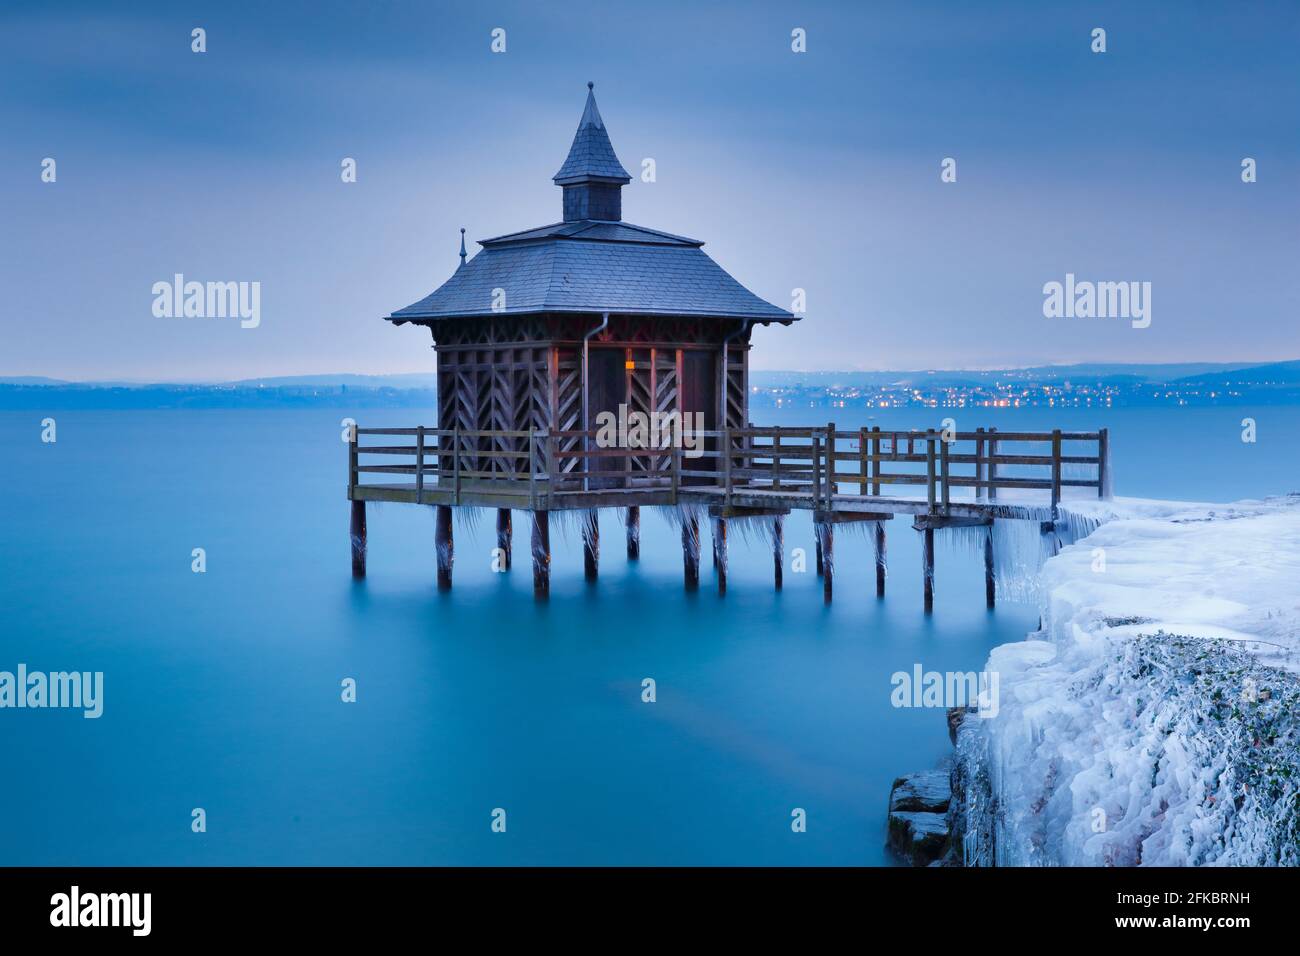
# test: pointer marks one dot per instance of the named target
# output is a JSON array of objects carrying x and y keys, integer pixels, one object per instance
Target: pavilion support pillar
[
  {"x": 541, "y": 546},
  {"x": 357, "y": 529},
  {"x": 990, "y": 578},
  {"x": 880, "y": 559},
  {"x": 633, "y": 533},
  {"x": 442, "y": 539},
  {"x": 720, "y": 552},
  {"x": 927, "y": 563},
  {"x": 505, "y": 534},
  {"x": 778, "y": 548},
  {"x": 691, "y": 551},
  {"x": 591, "y": 544},
  {"x": 825, "y": 532},
  {"x": 819, "y": 550}
]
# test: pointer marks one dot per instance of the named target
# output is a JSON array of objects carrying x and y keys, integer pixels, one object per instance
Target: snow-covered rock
[
  {"x": 928, "y": 791},
  {"x": 918, "y": 815}
]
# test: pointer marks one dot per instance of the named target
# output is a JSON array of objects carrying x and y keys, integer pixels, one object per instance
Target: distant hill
[
  {"x": 408, "y": 380},
  {"x": 31, "y": 380},
  {"x": 254, "y": 394},
  {"x": 1276, "y": 373},
  {"x": 1116, "y": 373},
  {"x": 1140, "y": 372}
]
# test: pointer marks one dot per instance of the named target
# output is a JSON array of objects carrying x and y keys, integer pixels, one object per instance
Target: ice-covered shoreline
[{"x": 1153, "y": 718}]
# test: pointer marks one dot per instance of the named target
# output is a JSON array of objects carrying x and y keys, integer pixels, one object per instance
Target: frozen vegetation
[{"x": 1152, "y": 720}]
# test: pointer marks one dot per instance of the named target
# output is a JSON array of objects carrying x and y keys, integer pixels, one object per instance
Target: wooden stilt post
[
  {"x": 991, "y": 467},
  {"x": 720, "y": 552},
  {"x": 1056, "y": 472},
  {"x": 591, "y": 544},
  {"x": 1103, "y": 463},
  {"x": 875, "y": 457},
  {"x": 442, "y": 539},
  {"x": 691, "y": 551},
  {"x": 358, "y": 535},
  {"x": 826, "y": 545},
  {"x": 880, "y": 559},
  {"x": 816, "y": 496},
  {"x": 927, "y": 559},
  {"x": 633, "y": 533},
  {"x": 505, "y": 532},
  {"x": 930, "y": 477},
  {"x": 990, "y": 580},
  {"x": 541, "y": 546},
  {"x": 778, "y": 548}
]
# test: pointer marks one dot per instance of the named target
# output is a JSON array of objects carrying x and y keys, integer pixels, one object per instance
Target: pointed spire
[
  {"x": 462, "y": 245},
  {"x": 591, "y": 157},
  {"x": 592, "y": 176},
  {"x": 591, "y": 114}
]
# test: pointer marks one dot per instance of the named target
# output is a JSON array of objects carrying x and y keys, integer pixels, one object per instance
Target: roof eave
[
  {"x": 424, "y": 317},
  {"x": 588, "y": 178}
]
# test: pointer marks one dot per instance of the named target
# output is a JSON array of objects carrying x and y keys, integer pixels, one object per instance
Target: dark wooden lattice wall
[{"x": 518, "y": 373}]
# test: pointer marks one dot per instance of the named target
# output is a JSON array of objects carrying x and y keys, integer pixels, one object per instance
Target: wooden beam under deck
[
  {"x": 847, "y": 517},
  {"x": 728, "y": 511},
  {"x": 744, "y": 504},
  {"x": 937, "y": 522}
]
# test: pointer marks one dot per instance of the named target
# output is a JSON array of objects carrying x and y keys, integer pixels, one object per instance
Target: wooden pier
[{"x": 939, "y": 479}]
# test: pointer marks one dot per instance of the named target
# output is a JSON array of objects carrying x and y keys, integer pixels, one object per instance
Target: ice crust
[{"x": 1153, "y": 719}]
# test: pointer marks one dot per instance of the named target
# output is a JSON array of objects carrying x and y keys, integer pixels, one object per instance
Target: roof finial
[
  {"x": 462, "y": 245},
  {"x": 591, "y": 85}
]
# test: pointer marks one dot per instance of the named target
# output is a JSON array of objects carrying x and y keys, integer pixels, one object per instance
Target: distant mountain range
[
  {"x": 1201, "y": 382},
  {"x": 293, "y": 391},
  {"x": 1053, "y": 386},
  {"x": 1276, "y": 373},
  {"x": 406, "y": 380}
]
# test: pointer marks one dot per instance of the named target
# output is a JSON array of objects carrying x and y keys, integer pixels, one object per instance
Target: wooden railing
[
  {"x": 817, "y": 464},
  {"x": 873, "y": 459}
]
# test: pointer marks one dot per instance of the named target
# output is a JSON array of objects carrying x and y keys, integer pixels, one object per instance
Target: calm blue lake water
[{"x": 222, "y": 690}]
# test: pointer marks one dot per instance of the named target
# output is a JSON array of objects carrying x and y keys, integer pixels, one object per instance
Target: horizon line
[{"x": 10, "y": 379}]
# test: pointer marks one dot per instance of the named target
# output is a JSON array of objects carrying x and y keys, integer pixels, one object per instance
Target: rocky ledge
[
  {"x": 918, "y": 816},
  {"x": 920, "y": 810}
]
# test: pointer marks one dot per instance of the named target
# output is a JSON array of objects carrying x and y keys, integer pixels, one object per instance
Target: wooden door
[{"x": 698, "y": 392}]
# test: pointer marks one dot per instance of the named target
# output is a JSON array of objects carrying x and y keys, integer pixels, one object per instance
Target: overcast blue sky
[{"x": 817, "y": 170}]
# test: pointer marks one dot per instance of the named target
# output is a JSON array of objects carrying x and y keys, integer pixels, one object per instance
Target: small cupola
[{"x": 592, "y": 177}]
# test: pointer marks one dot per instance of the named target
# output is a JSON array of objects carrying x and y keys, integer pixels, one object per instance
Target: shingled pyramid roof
[
  {"x": 591, "y": 264},
  {"x": 591, "y": 157}
]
